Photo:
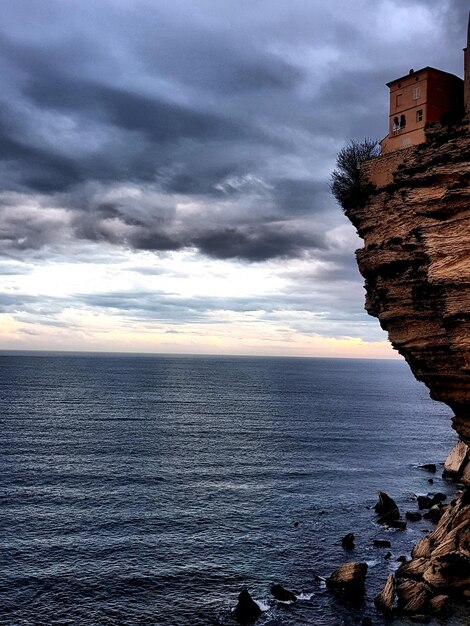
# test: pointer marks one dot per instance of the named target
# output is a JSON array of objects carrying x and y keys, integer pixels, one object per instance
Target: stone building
[
  {"x": 418, "y": 99},
  {"x": 422, "y": 98}
]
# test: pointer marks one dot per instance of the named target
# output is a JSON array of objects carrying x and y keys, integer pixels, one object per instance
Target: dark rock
[
  {"x": 385, "y": 600},
  {"x": 438, "y": 497},
  {"x": 429, "y": 467},
  {"x": 431, "y": 481},
  {"x": 366, "y": 621},
  {"x": 402, "y": 559},
  {"x": 424, "y": 502},
  {"x": 434, "y": 514},
  {"x": 247, "y": 610},
  {"x": 296, "y": 524},
  {"x": 387, "y": 555},
  {"x": 413, "y": 516},
  {"x": 349, "y": 578},
  {"x": 348, "y": 541},
  {"x": 397, "y": 523},
  {"x": 382, "y": 543},
  {"x": 386, "y": 508},
  {"x": 282, "y": 594}
]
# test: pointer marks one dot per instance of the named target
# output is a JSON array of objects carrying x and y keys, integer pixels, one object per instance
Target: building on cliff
[
  {"x": 418, "y": 99},
  {"x": 422, "y": 98}
]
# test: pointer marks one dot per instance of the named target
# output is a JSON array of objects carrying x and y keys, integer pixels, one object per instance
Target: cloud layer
[{"x": 208, "y": 128}]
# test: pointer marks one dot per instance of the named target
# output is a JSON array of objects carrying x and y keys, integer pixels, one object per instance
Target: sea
[{"x": 149, "y": 490}]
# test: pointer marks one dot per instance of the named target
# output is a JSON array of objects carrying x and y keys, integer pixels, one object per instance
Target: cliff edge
[
  {"x": 413, "y": 214},
  {"x": 414, "y": 218}
]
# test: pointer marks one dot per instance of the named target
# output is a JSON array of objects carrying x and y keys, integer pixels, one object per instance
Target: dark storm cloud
[
  {"x": 236, "y": 109},
  {"x": 257, "y": 244}
]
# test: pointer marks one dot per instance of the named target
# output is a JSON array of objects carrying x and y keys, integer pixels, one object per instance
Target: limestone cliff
[
  {"x": 415, "y": 222},
  {"x": 414, "y": 217}
]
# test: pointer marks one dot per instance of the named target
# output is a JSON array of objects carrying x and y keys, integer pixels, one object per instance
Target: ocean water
[{"x": 149, "y": 490}]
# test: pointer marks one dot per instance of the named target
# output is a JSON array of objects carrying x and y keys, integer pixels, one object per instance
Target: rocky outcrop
[
  {"x": 416, "y": 262},
  {"x": 414, "y": 218},
  {"x": 247, "y": 610},
  {"x": 349, "y": 579}
]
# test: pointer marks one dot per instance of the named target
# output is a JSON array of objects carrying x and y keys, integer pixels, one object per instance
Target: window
[
  {"x": 402, "y": 121},
  {"x": 419, "y": 115},
  {"x": 398, "y": 99},
  {"x": 396, "y": 124},
  {"x": 416, "y": 93}
]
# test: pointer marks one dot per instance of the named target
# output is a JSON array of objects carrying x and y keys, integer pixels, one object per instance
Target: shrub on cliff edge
[{"x": 345, "y": 181}]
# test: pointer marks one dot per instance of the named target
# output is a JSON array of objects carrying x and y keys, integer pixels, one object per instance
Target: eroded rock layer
[
  {"x": 414, "y": 218},
  {"x": 416, "y": 260}
]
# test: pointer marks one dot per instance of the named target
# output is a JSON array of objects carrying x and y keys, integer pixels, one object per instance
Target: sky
[{"x": 164, "y": 169}]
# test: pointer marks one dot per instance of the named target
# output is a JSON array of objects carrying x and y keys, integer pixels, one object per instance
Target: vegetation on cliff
[{"x": 345, "y": 182}]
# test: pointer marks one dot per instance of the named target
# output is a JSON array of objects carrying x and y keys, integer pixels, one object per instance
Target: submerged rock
[
  {"x": 382, "y": 543},
  {"x": 429, "y": 467},
  {"x": 247, "y": 610},
  {"x": 282, "y": 594}
]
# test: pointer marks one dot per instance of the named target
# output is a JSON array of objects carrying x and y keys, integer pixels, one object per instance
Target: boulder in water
[
  {"x": 413, "y": 516},
  {"x": 435, "y": 513},
  {"x": 386, "y": 508},
  {"x": 247, "y": 610},
  {"x": 348, "y": 541},
  {"x": 382, "y": 543},
  {"x": 429, "y": 467},
  {"x": 424, "y": 502},
  {"x": 282, "y": 594},
  {"x": 349, "y": 578}
]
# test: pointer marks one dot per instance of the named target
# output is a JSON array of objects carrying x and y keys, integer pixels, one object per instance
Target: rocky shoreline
[
  {"x": 439, "y": 568},
  {"x": 418, "y": 587}
]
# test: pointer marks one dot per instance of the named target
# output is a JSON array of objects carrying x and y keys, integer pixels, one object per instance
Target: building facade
[{"x": 417, "y": 99}]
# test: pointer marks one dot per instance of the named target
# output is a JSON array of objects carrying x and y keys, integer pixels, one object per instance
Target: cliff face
[
  {"x": 414, "y": 217},
  {"x": 415, "y": 222}
]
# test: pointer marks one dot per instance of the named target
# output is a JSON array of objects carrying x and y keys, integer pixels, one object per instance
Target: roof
[{"x": 423, "y": 69}]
